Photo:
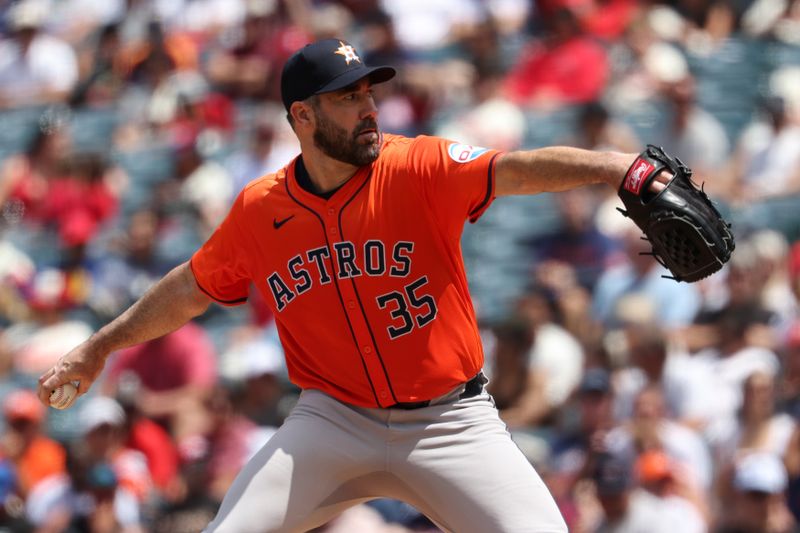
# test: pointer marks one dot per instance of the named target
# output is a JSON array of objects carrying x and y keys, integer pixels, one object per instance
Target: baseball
[{"x": 63, "y": 396}]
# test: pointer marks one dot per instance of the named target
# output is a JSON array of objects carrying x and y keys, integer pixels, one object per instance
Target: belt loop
[{"x": 474, "y": 386}]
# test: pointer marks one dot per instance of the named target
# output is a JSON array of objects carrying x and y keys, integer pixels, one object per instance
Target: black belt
[{"x": 472, "y": 388}]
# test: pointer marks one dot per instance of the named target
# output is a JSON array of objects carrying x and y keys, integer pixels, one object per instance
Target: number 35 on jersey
[{"x": 409, "y": 305}]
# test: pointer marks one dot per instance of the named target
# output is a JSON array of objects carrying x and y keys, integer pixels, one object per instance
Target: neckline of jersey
[{"x": 339, "y": 197}]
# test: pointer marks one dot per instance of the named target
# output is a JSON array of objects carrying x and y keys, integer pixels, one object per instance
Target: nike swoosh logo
[{"x": 278, "y": 223}]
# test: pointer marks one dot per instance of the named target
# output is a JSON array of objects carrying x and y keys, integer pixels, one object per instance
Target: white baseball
[{"x": 63, "y": 396}]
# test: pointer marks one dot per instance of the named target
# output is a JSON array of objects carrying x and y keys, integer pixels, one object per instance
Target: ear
[{"x": 302, "y": 113}]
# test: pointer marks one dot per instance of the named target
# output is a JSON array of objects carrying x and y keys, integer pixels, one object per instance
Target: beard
[{"x": 337, "y": 143}]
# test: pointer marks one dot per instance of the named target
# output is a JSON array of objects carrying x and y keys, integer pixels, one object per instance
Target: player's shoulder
[
  {"x": 264, "y": 186},
  {"x": 395, "y": 141},
  {"x": 431, "y": 148},
  {"x": 395, "y": 146}
]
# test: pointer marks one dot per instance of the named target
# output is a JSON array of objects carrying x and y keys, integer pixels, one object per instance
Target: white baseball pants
[{"x": 453, "y": 460}]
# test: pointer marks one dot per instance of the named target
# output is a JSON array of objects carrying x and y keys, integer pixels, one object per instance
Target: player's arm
[
  {"x": 558, "y": 168},
  {"x": 168, "y": 305}
]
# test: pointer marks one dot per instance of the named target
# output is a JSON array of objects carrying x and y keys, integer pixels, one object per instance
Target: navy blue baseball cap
[
  {"x": 325, "y": 66},
  {"x": 595, "y": 380}
]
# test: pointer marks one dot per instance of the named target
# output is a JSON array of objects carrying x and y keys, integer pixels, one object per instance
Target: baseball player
[{"x": 356, "y": 246}]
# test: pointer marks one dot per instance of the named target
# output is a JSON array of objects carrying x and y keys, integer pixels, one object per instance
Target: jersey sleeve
[
  {"x": 220, "y": 265},
  {"x": 457, "y": 179}
]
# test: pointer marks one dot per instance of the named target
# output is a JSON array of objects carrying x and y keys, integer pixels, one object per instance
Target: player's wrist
[
  {"x": 98, "y": 347},
  {"x": 618, "y": 165}
]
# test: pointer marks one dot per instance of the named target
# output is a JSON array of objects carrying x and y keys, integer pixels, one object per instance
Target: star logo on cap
[{"x": 348, "y": 52}]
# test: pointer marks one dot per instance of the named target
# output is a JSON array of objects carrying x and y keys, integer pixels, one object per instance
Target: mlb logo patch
[
  {"x": 464, "y": 153},
  {"x": 637, "y": 174}
]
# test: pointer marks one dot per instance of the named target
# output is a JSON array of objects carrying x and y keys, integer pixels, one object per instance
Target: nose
[{"x": 369, "y": 109}]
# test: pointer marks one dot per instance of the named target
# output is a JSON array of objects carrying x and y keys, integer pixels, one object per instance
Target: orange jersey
[{"x": 368, "y": 287}]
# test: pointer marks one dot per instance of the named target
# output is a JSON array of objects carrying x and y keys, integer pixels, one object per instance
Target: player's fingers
[
  {"x": 660, "y": 182},
  {"x": 53, "y": 382},
  {"x": 43, "y": 391}
]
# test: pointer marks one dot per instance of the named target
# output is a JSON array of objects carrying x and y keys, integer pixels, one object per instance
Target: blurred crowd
[{"x": 128, "y": 126}]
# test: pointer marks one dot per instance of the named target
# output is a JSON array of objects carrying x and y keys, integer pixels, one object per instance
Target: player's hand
[{"x": 80, "y": 366}]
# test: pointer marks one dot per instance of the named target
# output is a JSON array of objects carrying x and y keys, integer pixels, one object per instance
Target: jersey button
[
  {"x": 331, "y": 211},
  {"x": 333, "y": 231},
  {"x": 384, "y": 394},
  {"x": 367, "y": 349},
  {"x": 351, "y": 304}
]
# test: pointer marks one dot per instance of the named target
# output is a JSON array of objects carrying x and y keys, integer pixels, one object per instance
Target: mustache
[{"x": 366, "y": 124}]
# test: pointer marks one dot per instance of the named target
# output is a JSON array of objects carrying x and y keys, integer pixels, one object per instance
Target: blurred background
[{"x": 128, "y": 126}]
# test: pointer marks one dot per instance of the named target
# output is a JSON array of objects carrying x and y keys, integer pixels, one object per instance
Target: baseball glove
[{"x": 687, "y": 234}]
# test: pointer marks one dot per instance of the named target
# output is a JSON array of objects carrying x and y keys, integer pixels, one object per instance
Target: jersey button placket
[{"x": 373, "y": 363}]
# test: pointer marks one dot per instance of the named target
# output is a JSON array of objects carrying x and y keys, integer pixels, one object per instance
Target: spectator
[
  {"x": 757, "y": 502},
  {"x": 192, "y": 507},
  {"x": 644, "y": 62},
  {"x": 518, "y": 391},
  {"x": 35, "y": 67},
  {"x": 16, "y": 269},
  {"x": 269, "y": 148},
  {"x": 768, "y": 155},
  {"x": 153, "y": 442},
  {"x": 254, "y": 364},
  {"x": 103, "y": 70},
  {"x": 579, "y": 439},
  {"x": 555, "y": 356},
  {"x": 653, "y": 363},
  {"x": 75, "y": 20},
  {"x": 202, "y": 186},
  {"x": 598, "y": 130},
  {"x": 81, "y": 202},
  {"x": 88, "y": 497},
  {"x": 760, "y": 427},
  {"x": 25, "y": 178},
  {"x": 24, "y": 443},
  {"x": 233, "y": 440},
  {"x": 744, "y": 287},
  {"x": 247, "y": 63},
  {"x": 176, "y": 373},
  {"x": 564, "y": 67},
  {"x": 571, "y": 302},
  {"x": 650, "y": 429},
  {"x": 128, "y": 266},
  {"x": 48, "y": 329},
  {"x": 201, "y": 18},
  {"x": 660, "y": 477},
  {"x": 607, "y": 19},
  {"x": 772, "y": 254},
  {"x": 578, "y": 242},
  {"x": 103, "y": 426},
  {"x": 425, "y": 26},
  {"x": 629, "y": 509},
  {"x": 676, "y": 303},
  {"x": 693, "y": 134},
  {"x": 711, "y": 25},
  {"x": 727, "y": 365}
]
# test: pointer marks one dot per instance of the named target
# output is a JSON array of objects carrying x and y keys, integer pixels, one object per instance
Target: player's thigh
[
  {"x": 294, "y": 483},
  {"x": 470, "y": 476}
]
